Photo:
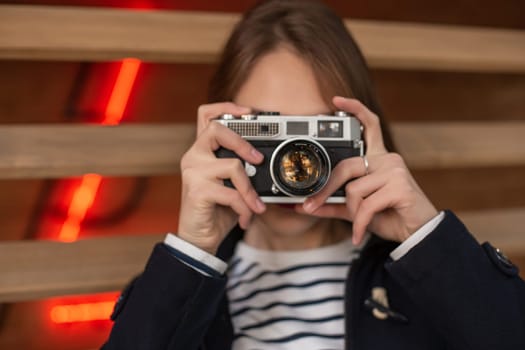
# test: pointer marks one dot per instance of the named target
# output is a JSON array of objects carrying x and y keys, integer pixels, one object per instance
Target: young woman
[{"x": 383, "y": 270}]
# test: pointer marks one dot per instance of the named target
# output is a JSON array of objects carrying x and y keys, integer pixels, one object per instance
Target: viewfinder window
[{"x": 330, "y": 128}]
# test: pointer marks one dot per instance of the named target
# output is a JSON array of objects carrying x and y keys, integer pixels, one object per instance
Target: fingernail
[
  {"x": 257, "y": 155},
  {"x": 260, "y": 205},
  {"x": 309, "y": 205}
]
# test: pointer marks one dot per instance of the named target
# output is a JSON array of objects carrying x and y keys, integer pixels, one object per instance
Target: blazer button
[
  {"x": 503, "y": 258},
  {"x": 500, "y": 260}
]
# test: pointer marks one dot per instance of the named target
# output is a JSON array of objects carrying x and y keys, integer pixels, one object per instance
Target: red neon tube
[{"x": 85, "y": 194}]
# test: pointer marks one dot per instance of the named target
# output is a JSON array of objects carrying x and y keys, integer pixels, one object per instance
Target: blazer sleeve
[
  {"x": 169, "y": 306},
  {"x": 472, "y": 293}
]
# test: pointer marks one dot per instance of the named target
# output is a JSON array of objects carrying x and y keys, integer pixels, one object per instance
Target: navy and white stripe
[{"x": 289, "y": 300}]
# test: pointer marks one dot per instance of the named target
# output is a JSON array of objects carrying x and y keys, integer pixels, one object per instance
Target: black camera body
[{"x": 299, "y": 152}]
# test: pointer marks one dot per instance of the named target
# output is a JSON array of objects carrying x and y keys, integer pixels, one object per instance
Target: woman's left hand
[{"x": 383, "y": 198}]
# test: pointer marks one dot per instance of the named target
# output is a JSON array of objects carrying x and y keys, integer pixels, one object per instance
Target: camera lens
[{"x": 300, "y": 167}]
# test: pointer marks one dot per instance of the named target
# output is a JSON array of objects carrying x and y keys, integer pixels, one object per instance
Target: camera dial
[
  {"x": 248, "y": 117},
  {"x": 268, "y": 113}
]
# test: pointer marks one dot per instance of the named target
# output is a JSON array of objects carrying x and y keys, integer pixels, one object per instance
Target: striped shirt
[{"x": 289, "y": 300}]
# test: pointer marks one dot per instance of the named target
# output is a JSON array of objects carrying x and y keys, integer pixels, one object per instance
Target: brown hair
[{"x": 316, "y": 33}]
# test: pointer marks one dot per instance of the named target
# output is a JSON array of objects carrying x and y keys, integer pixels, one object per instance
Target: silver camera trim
[
  {"x": 352, "y": 131},
  {"x": 286, "y": 142},
  {"x": 296, "y": 199},
  {"x": 278, "y": 126}
]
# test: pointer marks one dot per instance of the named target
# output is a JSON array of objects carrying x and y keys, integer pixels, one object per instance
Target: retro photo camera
[{"x": 299, "y": 152}]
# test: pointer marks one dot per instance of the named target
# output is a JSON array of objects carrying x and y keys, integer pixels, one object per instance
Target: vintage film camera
[{"x": 299, "y": 152}]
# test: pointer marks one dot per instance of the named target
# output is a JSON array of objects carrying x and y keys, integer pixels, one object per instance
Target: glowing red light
[
  {"x": 84, "y": 196},
  {"x": 82, "y": 200},
  {"x": 121, "y": 92},
  {"x": 82, "y": 312}
]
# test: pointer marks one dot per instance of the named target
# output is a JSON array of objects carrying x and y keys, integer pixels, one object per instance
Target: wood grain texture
[
  {"x": 38, "y": 32},
  {"x": 476, "y": 188},
  {"x": 46, "y": 151},
  {"x": 450, "y": 96},
  {"x": 460, "y": 144},
  {"x": 439, "y": 47},
  {"x": 503, "y": 228},
  {"x": 66, "y": 33},
  {"x": 38, "y": 90},
  {"x": 507, "y": 14},
  {"x": 17, "y": 201},
  {"x": 37, "y": 269}
]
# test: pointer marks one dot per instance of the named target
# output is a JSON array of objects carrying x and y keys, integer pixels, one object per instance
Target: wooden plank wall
[
  {"x": 425, "y": 146},
  {"x": 460, "y": 85},
  {"x": 117, "y": 35}
]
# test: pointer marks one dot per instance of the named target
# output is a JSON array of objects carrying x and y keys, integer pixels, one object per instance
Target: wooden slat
[
  {"x": 76, "y": 33},
  {"x": 461, "y": 144},
  {"x": 38, "y": 269},
  {"x": 45, "y": 151},
  {"x": 66, "y": 33},
  {"x": 438, "y": 47},
  {"x": 502, "y": 227}
]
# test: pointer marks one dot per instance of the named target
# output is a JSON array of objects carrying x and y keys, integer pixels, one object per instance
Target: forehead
[{"x": 282, "y": 81}]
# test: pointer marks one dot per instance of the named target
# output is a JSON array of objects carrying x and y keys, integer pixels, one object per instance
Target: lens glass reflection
[{"x": 299, "y": 168}]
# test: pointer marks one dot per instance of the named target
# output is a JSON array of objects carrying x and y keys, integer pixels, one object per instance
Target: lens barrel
[{"x": 300, "y": 167}]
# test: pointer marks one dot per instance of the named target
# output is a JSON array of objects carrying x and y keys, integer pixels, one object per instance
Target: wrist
[
  {"x": 191, "y": 255},
  {"x": 424, "y": 218},
  {"x": 417, "y": 237},
  {"x": 207, "y": 244}
]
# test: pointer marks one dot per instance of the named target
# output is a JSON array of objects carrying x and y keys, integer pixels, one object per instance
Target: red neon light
[
  {"x": 82, "y": 312},
  {"x": 81, "y": 202},
  {"x": 84, "y": 196},
  {"x": 120, "y": 95}
]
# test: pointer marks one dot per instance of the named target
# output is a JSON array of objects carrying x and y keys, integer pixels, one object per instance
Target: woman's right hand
[{"x": 208, "y": 209}]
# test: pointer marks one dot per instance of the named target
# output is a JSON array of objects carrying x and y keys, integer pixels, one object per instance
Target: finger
[
  {"x": 345, "y": 170},
  {"x": 232, "y": 168},
  {"x": 211, "y": 111},
  {"x": 326, "y": 211},
  {"x": 372, "y": 205},
  {"x": 231, "y": 198},
  {"x": 352, "y": 204},
  {"x": 217, "y": 135},
  {"x": 370, "y": 121},
  {"x": 356, "y": 190},
  {"x": 361, "y": 188}
]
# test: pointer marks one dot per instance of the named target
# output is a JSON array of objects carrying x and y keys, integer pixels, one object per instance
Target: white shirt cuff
[
  {"x": 416, "y": 237},
  {"x": 195, "y": 253}
]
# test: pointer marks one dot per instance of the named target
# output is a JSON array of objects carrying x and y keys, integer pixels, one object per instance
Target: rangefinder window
[
  {"x": 329, "y": 128},
  {"x": 297, "y": 128}
]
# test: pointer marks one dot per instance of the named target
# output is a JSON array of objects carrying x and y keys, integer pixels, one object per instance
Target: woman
[{"x": 310, "y": 276}]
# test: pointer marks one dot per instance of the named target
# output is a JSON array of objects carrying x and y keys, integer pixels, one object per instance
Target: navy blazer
[{"x": 447, "y": 292}]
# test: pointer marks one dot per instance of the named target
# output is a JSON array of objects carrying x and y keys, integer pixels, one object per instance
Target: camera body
[{"x": 299, "y": 152}]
